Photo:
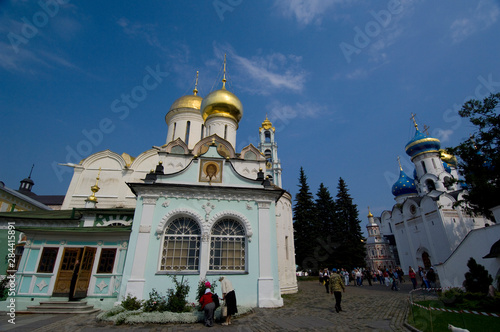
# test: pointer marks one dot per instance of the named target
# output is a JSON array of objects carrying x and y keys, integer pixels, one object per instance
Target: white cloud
[
  {"x": 357, "y": 74},
  {"x": 306, "y": 11},
  {"x": 146, "y": 32},
  {"x": 485, "y": 14},
  {"x": 285, "y": 113},
  {"x": 267, "y": 73},
  {"x": 443, "y": 135}
]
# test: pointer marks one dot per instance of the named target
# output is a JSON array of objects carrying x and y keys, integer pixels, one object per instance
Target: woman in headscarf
[
  {"x": 229, "y": 297},
  {"x": 208, "y": 305}
]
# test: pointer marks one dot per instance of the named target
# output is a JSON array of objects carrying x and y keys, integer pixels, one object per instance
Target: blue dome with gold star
[
  {"x": 422, "y": 143},
  {"x": 405, "y": 185}
]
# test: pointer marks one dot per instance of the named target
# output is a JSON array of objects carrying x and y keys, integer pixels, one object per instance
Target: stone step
[
  {"x": 91, "y": 311},
  {"x": 61, "y": 307},
  {"x": 65, "y": 303}
]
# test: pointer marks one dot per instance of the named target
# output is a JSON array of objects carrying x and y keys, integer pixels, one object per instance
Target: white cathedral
[
  {"x": 192, "y": 207},
  {"x": 429, "y": 227}
]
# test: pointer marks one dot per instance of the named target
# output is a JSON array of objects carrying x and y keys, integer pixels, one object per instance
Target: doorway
[{"x": 83, "y": 272}]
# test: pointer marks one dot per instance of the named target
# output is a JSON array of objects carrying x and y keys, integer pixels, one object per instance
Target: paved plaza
[{"x": 366, "y": 308}]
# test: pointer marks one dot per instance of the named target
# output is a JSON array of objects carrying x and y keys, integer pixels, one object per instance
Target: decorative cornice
[
  {"x": 264, "y": 204},
  {"x": 221, "y": 194},
  {"x": 149, "y": 200}
]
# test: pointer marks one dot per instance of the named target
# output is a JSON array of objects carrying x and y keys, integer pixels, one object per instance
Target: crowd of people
[{"x": 392, "y": 277}]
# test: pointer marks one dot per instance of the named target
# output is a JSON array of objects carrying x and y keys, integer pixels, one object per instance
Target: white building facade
[
  {"x": 195, "y": 208},
  {"x": 426, "y": 221}
]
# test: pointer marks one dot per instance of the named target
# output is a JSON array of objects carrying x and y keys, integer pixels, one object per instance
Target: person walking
[
  {"x": 229, "y": 297},
  {"x": 345, "y": 274},
  {"x": 326, "y": 280},
  {"x": 431, "y": 278},
  {"x": 208, "y": 306},
  {"x": 368, "y": 276},
  {"x": 336, "y": 287},
  {"x": 413, "y": 277}
]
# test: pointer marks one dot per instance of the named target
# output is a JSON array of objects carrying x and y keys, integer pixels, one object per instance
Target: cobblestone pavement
[{"x": 366, "y": 308}]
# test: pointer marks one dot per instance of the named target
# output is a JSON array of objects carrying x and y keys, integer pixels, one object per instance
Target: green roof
[
  {"x": 74, "y": 214},
  {"x": 103, "y": 229}
]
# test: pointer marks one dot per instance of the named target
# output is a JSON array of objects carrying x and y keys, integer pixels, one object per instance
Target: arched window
[
  {"x": 225, "y": 132},
  {"x": 227, "y": 246},
  {"x": 430, "y": 185},
  {"x": 181, "y": 245},
  {"x": 423, "y": 167},
  {"x": 188, "y": 129},
  {"x": 268, "y": 155},
  {"x": 267, "y": 136}
]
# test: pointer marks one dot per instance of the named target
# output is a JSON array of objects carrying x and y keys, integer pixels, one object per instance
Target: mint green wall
[{"x": 31, "y": 259}]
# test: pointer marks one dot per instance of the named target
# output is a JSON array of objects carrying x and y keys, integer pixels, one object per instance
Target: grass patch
[{"x": 435, "y": 321}]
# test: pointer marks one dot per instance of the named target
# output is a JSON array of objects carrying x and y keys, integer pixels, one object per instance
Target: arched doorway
[{"x": 426, "y": 260}]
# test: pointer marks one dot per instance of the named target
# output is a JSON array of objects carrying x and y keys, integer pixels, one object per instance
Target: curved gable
[
  {"x": 224, "y": 148},
  {"x": 250, "y": 152},
  {"x": 106, "y": 159}
]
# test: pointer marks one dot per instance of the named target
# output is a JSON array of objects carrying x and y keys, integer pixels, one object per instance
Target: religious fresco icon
[{"x": 211, "y": 171}]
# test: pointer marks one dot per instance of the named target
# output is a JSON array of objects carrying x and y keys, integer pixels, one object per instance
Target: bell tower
[{"x": 269, "y": 148}]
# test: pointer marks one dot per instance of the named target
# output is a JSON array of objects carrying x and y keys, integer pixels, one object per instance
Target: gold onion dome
[
  {"x": 190, "y": 101},
  {"x": 222, "y": 103},
  {"x": 448, "y": 158}
]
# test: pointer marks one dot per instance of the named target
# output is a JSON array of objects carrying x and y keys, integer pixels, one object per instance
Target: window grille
[
  {"x": 227, "y": 246},
  {"x": 181, "y": 245},
  {"x": 48, "y": 260},
  {"x": 107, "y": 261}
]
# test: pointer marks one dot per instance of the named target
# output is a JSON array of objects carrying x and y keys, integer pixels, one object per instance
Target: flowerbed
[{"x": 119, "y": 315}]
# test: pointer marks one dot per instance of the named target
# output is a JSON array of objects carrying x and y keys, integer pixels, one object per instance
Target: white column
[
  {"x": 135, "y": 285},
  {"x": 266, "y": 281},
  {"x": 204, "y": 254}
]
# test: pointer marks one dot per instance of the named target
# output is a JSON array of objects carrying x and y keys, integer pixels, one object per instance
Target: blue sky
[{"x": 338, "y": 79}]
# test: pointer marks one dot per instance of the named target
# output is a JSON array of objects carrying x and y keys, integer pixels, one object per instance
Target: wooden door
[
  {"x": 65, "y": 273},
  {"x": 85, "y": 272}
]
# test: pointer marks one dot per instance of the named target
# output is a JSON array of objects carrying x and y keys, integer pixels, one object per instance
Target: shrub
[
  {"x": 131, "y": 303},
  {"x": 477, "y": 280},
  {"x": 201, "y": 288},
  {"x": 4, "y": 290},
  {"x": 177, "y": 298},
  {"x": 452, "y": 296},
  {"x": 156, "y": 302}
]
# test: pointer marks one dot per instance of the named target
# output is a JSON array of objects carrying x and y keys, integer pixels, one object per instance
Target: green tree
[
  {"x": 479, "y": 156},
  {"x": 304, "y": 222},
  {"x": 327, "y": 229},
  {"x": 477, "y": 280},
  {"x": 352, "y": 250}
]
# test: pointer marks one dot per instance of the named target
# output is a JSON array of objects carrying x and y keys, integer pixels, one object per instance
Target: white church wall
[{"x": 477, "y": 244}]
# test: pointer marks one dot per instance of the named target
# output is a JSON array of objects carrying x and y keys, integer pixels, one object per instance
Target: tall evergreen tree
[
  {"x": 477, "y": 280},
  {"x": 352, "y": 250},
  {"x": 327, "y": 229},
  {"x": 304, "y": 230},
  {"x": 479, "y": 156}
]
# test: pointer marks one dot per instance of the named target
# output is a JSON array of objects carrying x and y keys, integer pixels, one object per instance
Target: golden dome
[
  {"x": 222, "y": 103},
  {"x": 266, "y": 125},
  {"x": 190, "y": 101},
  {"x": 448, "y": 158}
]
